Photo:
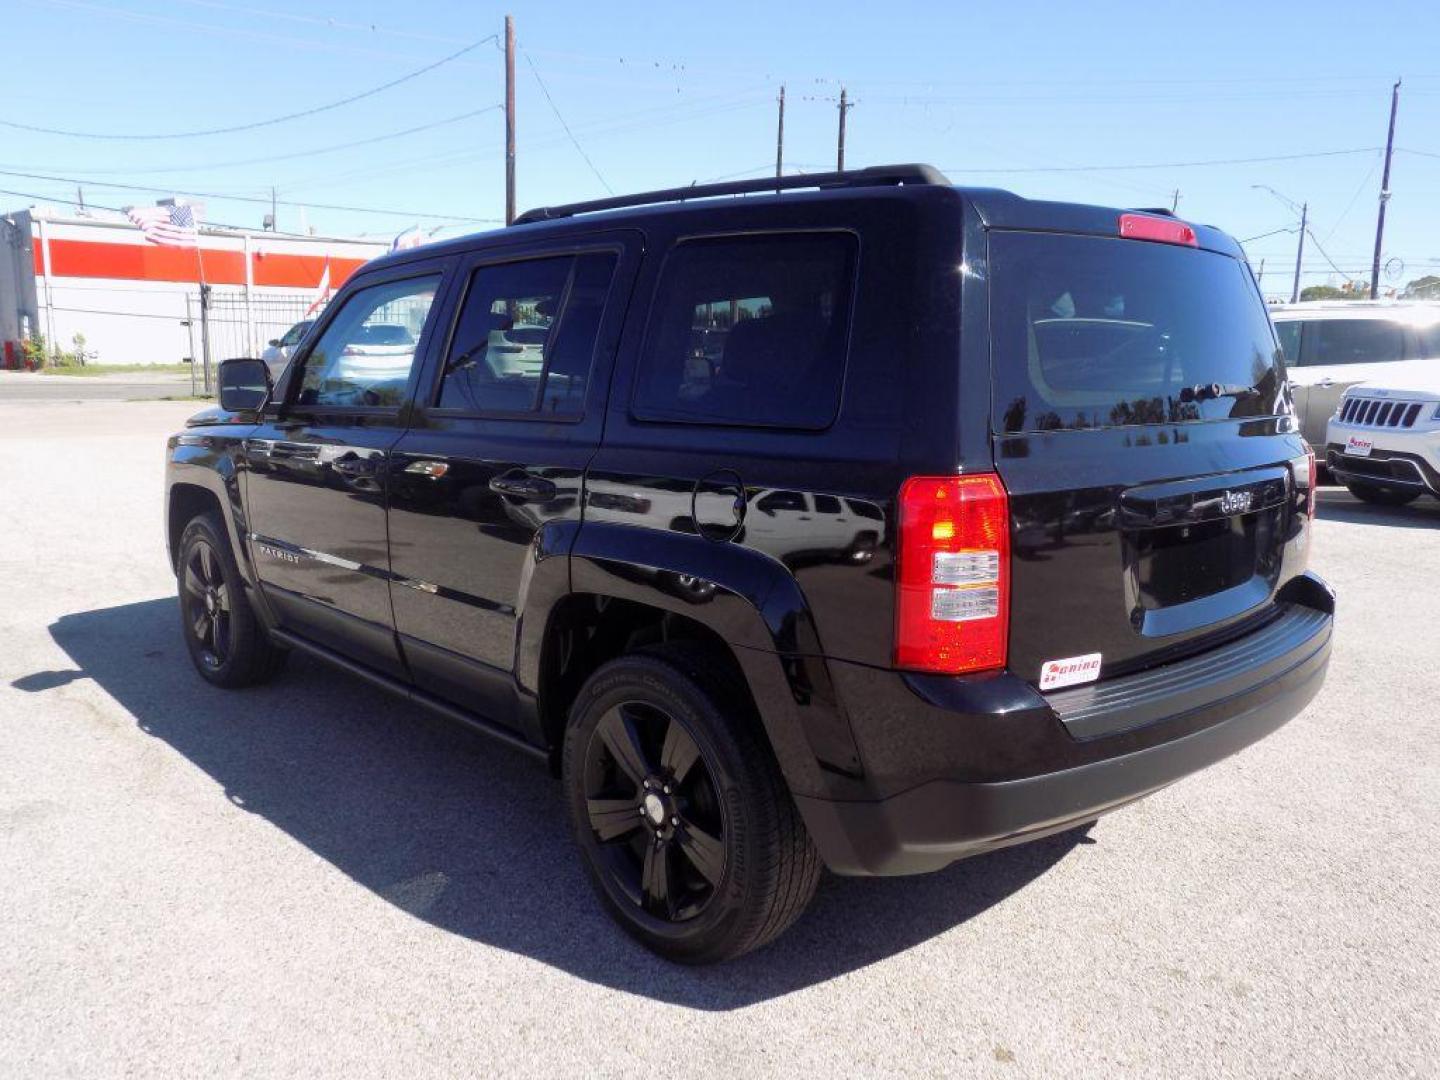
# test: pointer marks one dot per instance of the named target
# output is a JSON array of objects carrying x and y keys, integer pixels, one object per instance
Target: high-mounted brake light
[
  {"x": 1163, "y": 230},
  {"x": 952, "y": 593}
]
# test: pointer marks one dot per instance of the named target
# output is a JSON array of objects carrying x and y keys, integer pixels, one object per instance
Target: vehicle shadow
[
  {"x": 1337, "y": 504},
  {"x": 469, "y": 835}
]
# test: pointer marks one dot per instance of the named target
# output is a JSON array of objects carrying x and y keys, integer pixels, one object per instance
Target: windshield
[{"x": 1096, "y": 332}]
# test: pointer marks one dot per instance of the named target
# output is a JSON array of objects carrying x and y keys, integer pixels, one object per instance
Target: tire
[
  {"x": 226, "y": 642},
  {"x": 710, "y": 861},
  {"x": 1382, "y": 496}
]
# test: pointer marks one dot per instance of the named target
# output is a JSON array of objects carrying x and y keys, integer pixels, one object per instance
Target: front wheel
[
  {"x": 1382, "y": 496},
  {"x": 227, "y": 644},
  {"x": 682, "y": 818}
]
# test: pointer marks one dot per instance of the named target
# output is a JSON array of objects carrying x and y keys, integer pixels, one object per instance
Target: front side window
[
  {"x": 1102, "y": 332},
  {"x": 525, "y": 338},
  {"x": 750, "y": 331},
  {"x": 365, "y": 355},
  {"x": 1352, "y": 341}
]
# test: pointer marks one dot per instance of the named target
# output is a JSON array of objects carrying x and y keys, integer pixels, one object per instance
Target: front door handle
[{"x": 521, "y": 485}]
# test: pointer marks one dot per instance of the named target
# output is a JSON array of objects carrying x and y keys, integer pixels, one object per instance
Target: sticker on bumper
[
  {"x": 1070, "y": 671},
  {"x": 1358, "y": 447}
]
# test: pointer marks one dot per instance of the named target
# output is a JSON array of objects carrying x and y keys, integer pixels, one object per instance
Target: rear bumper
[{"x": 1153, "y": 729}]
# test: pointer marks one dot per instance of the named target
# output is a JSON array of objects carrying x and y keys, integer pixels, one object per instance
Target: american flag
[{"x": 170, "y": 226}]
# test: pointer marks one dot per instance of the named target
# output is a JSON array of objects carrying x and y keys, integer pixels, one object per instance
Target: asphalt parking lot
[{"x": 309, "y": 879}]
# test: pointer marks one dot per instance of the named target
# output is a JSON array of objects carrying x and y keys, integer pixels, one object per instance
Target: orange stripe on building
[{"x": 150, "y": 262}]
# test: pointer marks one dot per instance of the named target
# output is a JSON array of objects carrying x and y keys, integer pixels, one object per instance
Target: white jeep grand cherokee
[{"x": 1383, "y": 443}]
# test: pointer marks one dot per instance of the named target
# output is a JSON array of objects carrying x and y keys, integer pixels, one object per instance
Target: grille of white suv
[{"x": 1372, "y": 412}]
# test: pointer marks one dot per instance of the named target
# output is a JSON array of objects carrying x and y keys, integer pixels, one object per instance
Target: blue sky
[{"x": 658, "y": 95}]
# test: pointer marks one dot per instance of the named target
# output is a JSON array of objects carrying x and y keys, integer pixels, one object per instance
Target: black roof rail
[
  {"x": 1160, "y": 210},
  {"x": 875, "y": 176}
]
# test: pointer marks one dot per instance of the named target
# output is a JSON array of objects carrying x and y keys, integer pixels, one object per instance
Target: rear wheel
[
  {"x": 1382, "y": 496},
  {"x": 683, "y": 820},
  {"x": 226, "y": 642}
]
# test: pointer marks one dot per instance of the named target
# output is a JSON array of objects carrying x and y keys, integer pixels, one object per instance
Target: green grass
[{"x": 90, "y": 370}]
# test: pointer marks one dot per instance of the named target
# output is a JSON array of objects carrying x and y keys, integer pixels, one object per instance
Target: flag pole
[{"x": 204, "y": 304}]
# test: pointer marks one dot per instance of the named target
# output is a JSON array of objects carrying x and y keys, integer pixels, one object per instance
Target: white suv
[
  {"x": 1331, "y": 345},
  {"x": 1383, "y": 443}
]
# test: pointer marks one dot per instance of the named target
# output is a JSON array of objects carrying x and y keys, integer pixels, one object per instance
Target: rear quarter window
[
  {"x": 1097, "y": 332},
  {"x": 749, "y": 331}
]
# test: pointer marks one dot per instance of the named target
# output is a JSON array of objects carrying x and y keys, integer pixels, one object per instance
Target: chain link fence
[{"x": 228, "y": 324}]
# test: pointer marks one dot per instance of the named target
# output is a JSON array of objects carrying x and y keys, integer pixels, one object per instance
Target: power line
[
  {"x": 1262, "y": 236},
  {"x": 257, "y": 123},
  {"x": 265, "y": 201},
  {"x": 1327, "y": 258},
  {"x": 161, "y": 169},
  {"x": 556, "y": 110},
  {"x": 1165, "y": 164},
  {"x": 315, "y": 20}
]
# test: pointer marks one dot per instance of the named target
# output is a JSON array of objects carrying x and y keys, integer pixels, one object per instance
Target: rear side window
[
  {"x": 750, "y": 331},
  {"x": 1289, "y": 334},
  {"x": 1095, "y": 332},
  {"x": 1351, "y": 341},
  {"x": 525, "y": 336}
]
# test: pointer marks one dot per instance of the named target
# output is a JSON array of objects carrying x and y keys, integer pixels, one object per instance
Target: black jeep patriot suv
[{"x": 870, "y": 526}]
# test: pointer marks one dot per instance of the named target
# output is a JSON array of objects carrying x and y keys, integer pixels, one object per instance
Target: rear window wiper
[{"x": 1210, "y": 391}]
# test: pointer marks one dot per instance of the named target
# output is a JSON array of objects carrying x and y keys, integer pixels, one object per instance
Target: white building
[{"x": 93, "y": 273}]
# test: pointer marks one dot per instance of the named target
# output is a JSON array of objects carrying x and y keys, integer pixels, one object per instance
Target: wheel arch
[{"x": 631, "y": 587}]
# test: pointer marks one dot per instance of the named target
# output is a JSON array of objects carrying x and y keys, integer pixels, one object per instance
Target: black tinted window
[
  {"x": 827, "y": 504},
  {"x": 1094, "y": 332},
  {"x": 1289, "y": 335},
  {"x": 526, "y": 335},
  {"x": 750, "y": 331},
  {"x": 1352, "y": 341},
  {"x": 787, "y": 501}
]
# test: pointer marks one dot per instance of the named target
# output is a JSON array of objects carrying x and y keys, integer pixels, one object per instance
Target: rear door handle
[{"x": 519, "y": 485}]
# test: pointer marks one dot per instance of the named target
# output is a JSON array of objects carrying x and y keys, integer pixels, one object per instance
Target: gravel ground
[{"x": 309, "y": 879}]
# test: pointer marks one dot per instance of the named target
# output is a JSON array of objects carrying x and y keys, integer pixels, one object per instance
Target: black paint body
[{"x": 457, "y": 589}]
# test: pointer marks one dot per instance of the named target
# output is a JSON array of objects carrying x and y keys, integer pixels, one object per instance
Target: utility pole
[
  {"x": 1384, "y": 192},
  {"x": 1175, "y": 202},
  {"x": 509, "y": 120},
  {"x": 1260, "y": 277},
  {"x": 80, "y": 195},
  {"x": 1300, "y": 252},
  {"x": 780, "y": 137},
  {"x": 845, "y": 106},
  {"x": 274, "y": 220}
]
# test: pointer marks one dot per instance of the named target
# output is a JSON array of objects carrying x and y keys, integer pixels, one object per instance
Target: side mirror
[
  {"x": 244, "y": 385},
  {"x": 274, "y": 342}
]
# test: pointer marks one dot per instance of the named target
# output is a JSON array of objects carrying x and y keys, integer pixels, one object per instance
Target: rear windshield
[{"x": 1094, "y": 332}]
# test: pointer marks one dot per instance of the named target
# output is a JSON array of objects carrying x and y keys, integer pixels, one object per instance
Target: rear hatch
[{"x": 1143, "y": 431}]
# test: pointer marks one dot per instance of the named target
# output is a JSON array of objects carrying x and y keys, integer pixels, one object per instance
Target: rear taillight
[
  {"x": 1163, "y": 230},
  {"x": 952, "y": 602}
]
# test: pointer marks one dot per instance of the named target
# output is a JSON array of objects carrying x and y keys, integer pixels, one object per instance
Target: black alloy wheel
[
  {"x": 206, "y": 603},
  {"x": 224, "y": 638},
  {"x": 683, "y": 820},
  {"x": 653, "y": 811}
]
